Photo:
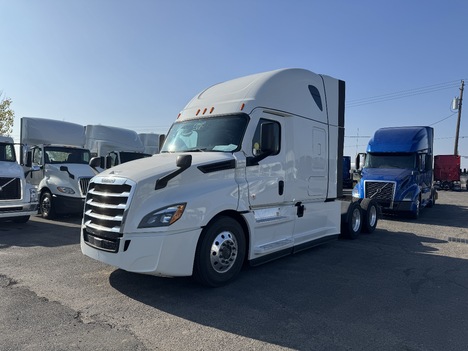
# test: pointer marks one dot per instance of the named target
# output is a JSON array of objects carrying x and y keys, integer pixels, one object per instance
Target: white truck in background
[
  {"x": 251, "y": 170},
  {"x": 152, "y": 142},
  {"x": 113, "y": 146},
  {"x": 18, "y": 199},
  {"x": 57, "y": 164}
]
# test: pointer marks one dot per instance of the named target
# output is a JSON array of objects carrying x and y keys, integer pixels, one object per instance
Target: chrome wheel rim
[
  {"x": 223, "y": 252},
  {"x": 356, "y": 220}
]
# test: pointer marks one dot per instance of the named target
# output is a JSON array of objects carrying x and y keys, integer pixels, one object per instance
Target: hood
[
  {"x": 10, "y": 170},
  {"x": 161, "y": 164},
  {"x": 77, "y": 169},
  {"x": 386, "y": 174}
]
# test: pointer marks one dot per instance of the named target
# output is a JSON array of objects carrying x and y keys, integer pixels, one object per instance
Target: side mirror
[
  {"x": 360, "y": 160},
  {"x": 184, "y": 161},
  {"x": 108, "y": 162},
  {"x": 162, "y": 138},
  {"x": 97, "y": 162},
  {"x": 28, "y": 159}
]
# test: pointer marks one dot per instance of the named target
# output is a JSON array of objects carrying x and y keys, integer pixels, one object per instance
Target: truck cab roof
[{"x": 401, "y": 140}]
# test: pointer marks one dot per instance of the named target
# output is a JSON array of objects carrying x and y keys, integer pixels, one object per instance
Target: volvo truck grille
[
  {"x": 382, "y": 192},
  {"x": 104, "y": 213},
  {"x": 84, "y": 183},
  {"x": 10, "y": 188}
]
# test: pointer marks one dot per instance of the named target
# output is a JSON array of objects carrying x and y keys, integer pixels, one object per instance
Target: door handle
[{"x": 281, "y": 187}]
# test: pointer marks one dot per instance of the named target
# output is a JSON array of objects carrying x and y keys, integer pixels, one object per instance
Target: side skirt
[{"x": 292, "y": 250}]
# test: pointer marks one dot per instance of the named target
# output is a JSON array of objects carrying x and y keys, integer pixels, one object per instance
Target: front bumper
[
  {"x": 162, "y": 254},
  {"x": 67, "y": 204},
  {"x": 18, "y": 210}
]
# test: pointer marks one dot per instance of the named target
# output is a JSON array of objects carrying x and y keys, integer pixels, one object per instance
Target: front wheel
[
  {"x": 415, "y": 214},
  {"x": 47, "y": 207},
  {"x": 220, "y": 252},
  {"x": 370, "y": 214}
]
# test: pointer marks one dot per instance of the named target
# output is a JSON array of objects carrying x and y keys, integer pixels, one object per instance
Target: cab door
[{"x": 265, "y": 175}]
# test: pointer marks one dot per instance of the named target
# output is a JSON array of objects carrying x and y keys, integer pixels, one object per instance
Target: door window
[{"x": 257, "y": 139}]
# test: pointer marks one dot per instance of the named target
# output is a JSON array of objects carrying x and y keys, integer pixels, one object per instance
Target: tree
[{"x": 7, "y": 116}]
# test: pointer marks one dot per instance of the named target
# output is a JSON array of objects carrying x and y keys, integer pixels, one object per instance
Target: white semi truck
[
  {"x": 249, "y": 171},
  {"x": 18, "y": 199},
  {"x": 113, "y": 145},
  {"x": 57, "y": 164}
]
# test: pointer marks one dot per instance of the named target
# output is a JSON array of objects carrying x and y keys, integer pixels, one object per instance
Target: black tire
[
  {"x": 352, "y": 225},
  {"x": 432, "y": 201},
  {"x": 47, "y": 206},
  {"x": 370, "y": 214},
  {"x": 415, "y": 214},
  {"x": 22, "y": 219},
  {"x": 220, "y": 252}
]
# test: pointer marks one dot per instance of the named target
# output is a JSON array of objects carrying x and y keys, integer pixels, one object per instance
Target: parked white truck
[
  {"x": 113, "y": 145},
  {"x": 18, "y": 200},
  {"x": 57, "y": 164},
  {"x": 152, "y": 142},
  {"x": 250, "y": 171}
]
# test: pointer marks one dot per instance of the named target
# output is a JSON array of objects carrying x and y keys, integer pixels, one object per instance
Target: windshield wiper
[{"x": 197, "y": 149}]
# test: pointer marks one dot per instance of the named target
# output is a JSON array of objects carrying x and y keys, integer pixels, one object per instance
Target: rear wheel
[
  {"x": 370, "y": 214},
  {"x": 220, "y": 252},
  {"x": 352, "y": 225},
  {"x": 47, "y": 207},
  {"x": 432, "y": 200}
]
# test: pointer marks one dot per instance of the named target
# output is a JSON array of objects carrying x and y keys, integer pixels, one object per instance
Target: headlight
[
  {"x": 163, "y": 217},
  {"x": 65, "y": 190},
  {"x": 32, "y": 195},
  {"x": 355, "y": 192}
]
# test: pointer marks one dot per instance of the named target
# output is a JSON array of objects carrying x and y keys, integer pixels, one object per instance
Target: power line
[
  {"x": 443, "y": 119},
  {"x": 403, "y": 94}
]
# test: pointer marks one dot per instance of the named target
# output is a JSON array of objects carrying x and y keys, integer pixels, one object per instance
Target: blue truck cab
[{"x": 398, "y": 170}]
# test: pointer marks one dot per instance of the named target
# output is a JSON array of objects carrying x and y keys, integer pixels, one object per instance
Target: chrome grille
[
  {"x": 382, "y": 192},
  {"x": 104, "y": 212},
  {"x": 84, "y": 183},
  {"x": 10, "y": 188}
]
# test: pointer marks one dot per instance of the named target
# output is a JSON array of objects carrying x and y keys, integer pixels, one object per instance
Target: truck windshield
[
  {"x": 217, "y": 134},
  {"x": 58, "y": 154},
  {"x": 7, "y": 152},
  {"x": 403, "y": 161}
]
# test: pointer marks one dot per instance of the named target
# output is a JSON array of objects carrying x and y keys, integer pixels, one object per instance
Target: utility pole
[{"x": 457, "y": 133}]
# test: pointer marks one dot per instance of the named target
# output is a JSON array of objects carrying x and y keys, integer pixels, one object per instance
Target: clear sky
[{"x": 135, "y": 64}]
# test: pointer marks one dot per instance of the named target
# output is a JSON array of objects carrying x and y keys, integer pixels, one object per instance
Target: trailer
[{"x": 447, "y": 172}]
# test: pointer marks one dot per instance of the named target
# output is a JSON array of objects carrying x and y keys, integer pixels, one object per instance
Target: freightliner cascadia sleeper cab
[{"x": 249, "y": 171}]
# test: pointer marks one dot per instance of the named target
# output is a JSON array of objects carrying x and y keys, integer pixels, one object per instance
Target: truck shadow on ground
[
  {"x": 64, "y": 230},
  {"x": 440, "y": 214},
  {"x": 305, "y": 298}
]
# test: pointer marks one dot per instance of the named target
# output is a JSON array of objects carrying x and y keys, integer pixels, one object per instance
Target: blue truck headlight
[
  {"x": 355, "y": 192},
  {"x": 65, "y": 190},
  {"x": 163, "y": 217}
]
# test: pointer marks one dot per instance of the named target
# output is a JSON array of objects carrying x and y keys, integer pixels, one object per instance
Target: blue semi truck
[{"x": 398, "y": 170}]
